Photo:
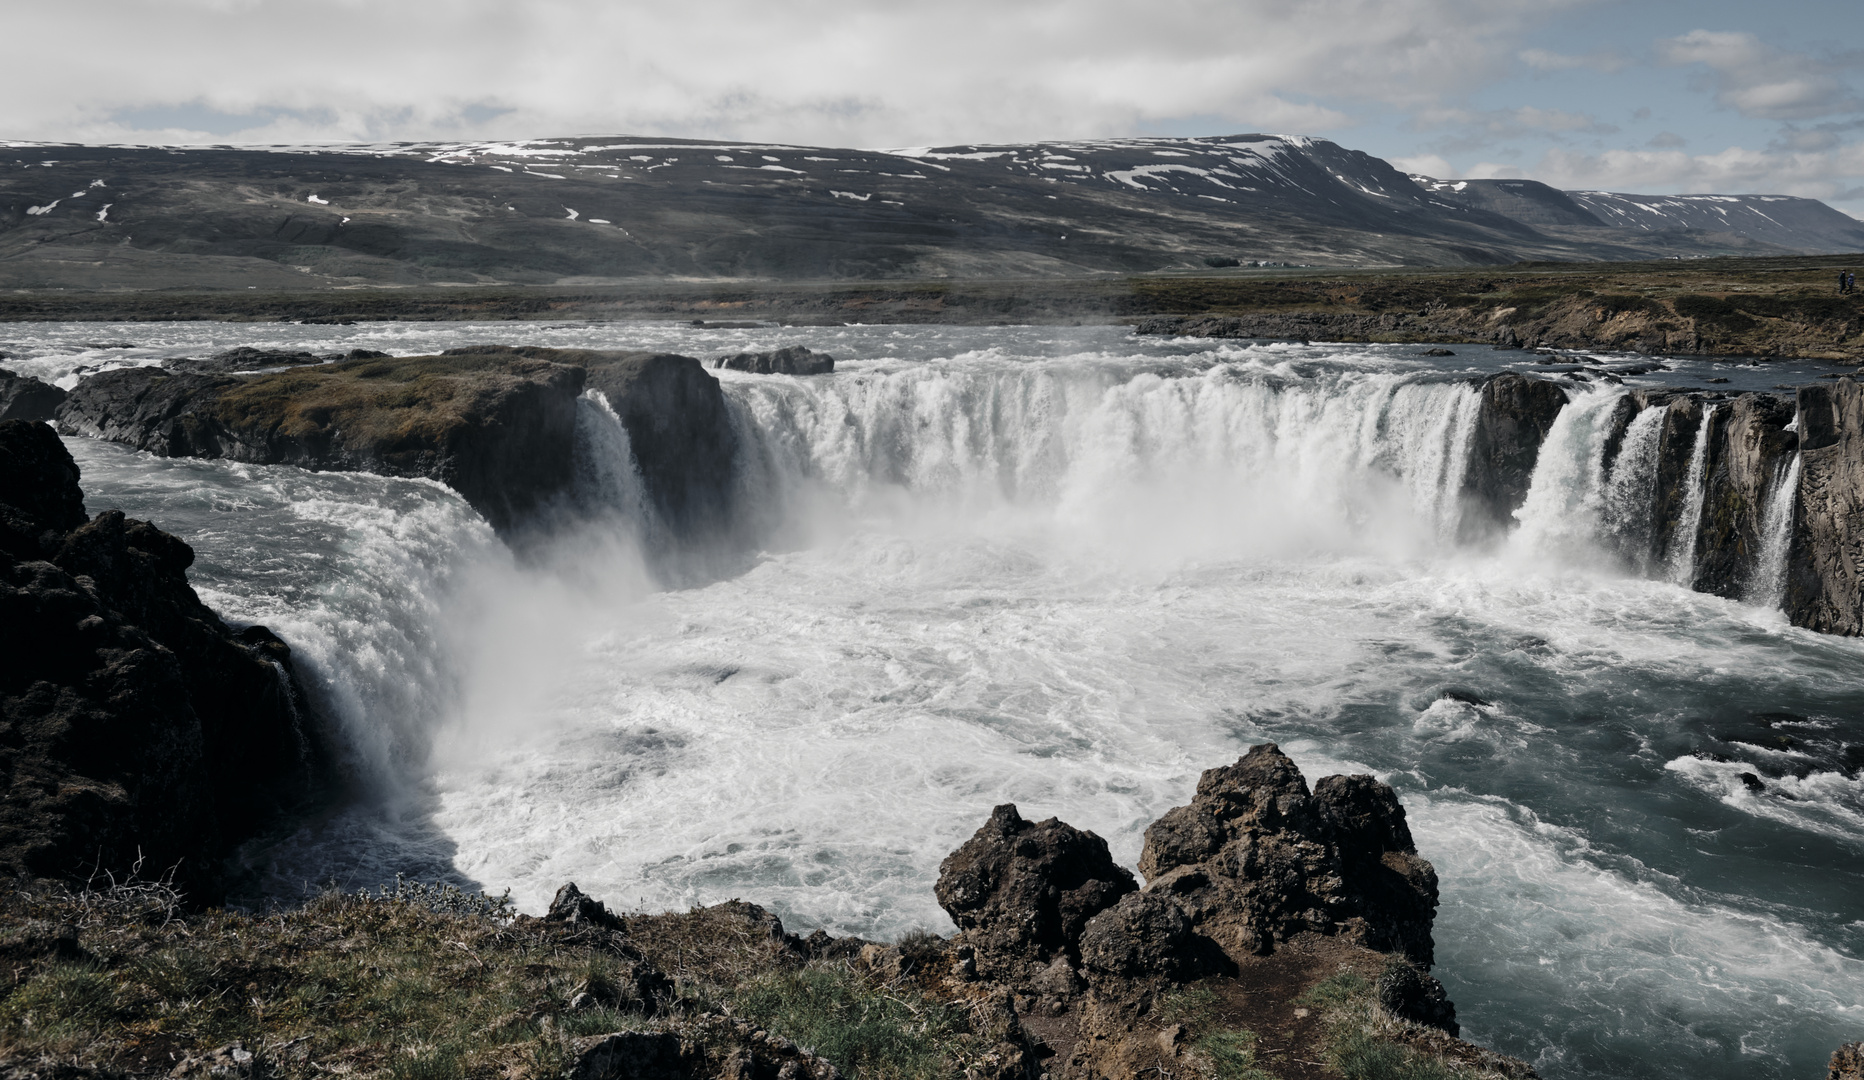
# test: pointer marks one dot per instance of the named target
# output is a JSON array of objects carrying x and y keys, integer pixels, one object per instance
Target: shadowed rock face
[
  {"x": 1517, "y": 412},
  {"x": 1022, "y": 892},
  {"x": 1825, "y": 571},
  {"x": 25, "y": 398},
  {"x": 134, "y": 720},
  {"x": 1749, "y": 448}
]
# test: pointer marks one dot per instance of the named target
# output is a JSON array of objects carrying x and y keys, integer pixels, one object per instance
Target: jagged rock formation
[
  {"x": 23, "y": 397},
  {"x": 1022, "y": 893},
  {"x": 1517, "y": 412},
  {"x": 789, "y": 360},
  {"x": 1257, "y": 882},
  {"x": 1847, "y": 1063},
  {"x": 134, "y": 723},
  {"x": 1256, "y": 858}
]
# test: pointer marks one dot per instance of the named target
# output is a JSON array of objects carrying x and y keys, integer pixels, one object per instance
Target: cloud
[
  {"x": 1424, "y": 165},
  {"x": 1666, "y": 140},
  {"x": 1758, "y": 80},
  {"x": 1829, "y": 174},
  {"x": 1542, "y": 60},
  {"x": 854, "y": 72}
]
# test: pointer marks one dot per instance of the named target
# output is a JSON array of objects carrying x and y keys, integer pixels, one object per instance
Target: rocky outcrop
[
  {"x": 1255, "y": 890},
  {"x": 134, "y": 723},
  {"x": 498, "y": 428},
  {"x": 1847, "y": 1063},
  {"x": 1255, "y": 859},
  {"x": 1825, "y": 570},
  {"x": 1516, "y": 413},
  {"x": 1022, "y": 892},
  {"x": 23, "y": 397},
  {"x": 790, "y": 360}
]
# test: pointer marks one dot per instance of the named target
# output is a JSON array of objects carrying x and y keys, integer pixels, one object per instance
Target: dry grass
[{"x": 119, "y": 980}]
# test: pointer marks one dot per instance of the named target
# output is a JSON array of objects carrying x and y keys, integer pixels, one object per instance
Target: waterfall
[
  {"x": 1768, "y": 587},
  {"x": 607, "y": 479},
  {"x": 1631, "y": 490},
  {"x": 1563, "y": 513},
  {"x": 1219, "y": 457},
  {"x": 1689, "y": 524}
]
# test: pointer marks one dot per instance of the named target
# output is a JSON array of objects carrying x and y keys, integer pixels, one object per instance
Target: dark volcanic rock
[
  {"x": 1413, "y": 995},
  {"x": 791, "y": 360},
  {"x": 496, "y": 425},
  {"x": 1022, "y": 892},
  {"x": 1825, "y": 580},
  {"x": 1255, "y": 859},
  {"x": 135, "y": 722},
  {"x": 1847, "y": 1063},
  {"x": 680, "y": 432},
  {"x": 23, "y": 397},
  {"x": 1517, "y": 412}
]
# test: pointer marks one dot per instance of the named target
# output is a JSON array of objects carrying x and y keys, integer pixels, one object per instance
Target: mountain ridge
[{"x": 623, "y": 208}]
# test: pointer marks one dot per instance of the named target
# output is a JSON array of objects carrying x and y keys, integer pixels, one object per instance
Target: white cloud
[
  {"x": 1831, "y": 174},
  {"x": 1425, "y": 165},
  {"x": 1759, "y": 80},
  {"x": 865, "y": 72}
]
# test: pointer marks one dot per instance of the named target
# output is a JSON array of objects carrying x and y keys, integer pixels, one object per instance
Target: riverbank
[{"x": 1723, "y": 307}]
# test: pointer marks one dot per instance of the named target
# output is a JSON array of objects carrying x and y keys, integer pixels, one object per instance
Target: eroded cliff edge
[{"x": 135, "y": 725}]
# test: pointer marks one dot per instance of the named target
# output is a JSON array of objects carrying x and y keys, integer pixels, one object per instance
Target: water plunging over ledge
[{"x": 1070, "y": 569}]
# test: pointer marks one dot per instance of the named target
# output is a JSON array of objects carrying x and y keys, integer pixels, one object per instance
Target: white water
[
  {"x": 1631, "y": 490},
  {"x": 1072, "y": 572},
  {"x": 1768, "y": 588},
  {"x": 1689, "y": 525}
]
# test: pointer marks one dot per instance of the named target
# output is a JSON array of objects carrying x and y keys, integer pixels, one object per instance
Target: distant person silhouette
[{"x": 1841, "y": 281}]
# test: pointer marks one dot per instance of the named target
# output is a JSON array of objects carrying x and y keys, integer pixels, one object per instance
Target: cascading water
[
  {"x": 1071, "y": 569},
  {"x": 1631, "y": 491},
  {"x": 1223, "y": 460},
  {"x": 1768, "y": 585},
  {"x": 1689, "y": 524}
]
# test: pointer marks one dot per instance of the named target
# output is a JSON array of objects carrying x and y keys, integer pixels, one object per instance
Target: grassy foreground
[{"x": 418, "y": 983}]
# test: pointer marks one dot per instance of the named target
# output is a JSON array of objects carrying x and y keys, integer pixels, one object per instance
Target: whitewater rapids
[{"x": 1070, "y": 570}]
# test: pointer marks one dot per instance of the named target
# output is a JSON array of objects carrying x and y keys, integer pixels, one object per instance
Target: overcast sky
[{"x": 1630, "y": 95}]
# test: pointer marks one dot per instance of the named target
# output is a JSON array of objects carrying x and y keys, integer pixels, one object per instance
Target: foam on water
[{"x": 1072, "y": 570}]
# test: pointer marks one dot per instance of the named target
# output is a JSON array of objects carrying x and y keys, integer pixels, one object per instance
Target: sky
[{"x": 1648, "y": 96}]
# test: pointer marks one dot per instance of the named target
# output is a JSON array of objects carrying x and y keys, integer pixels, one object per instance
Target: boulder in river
[
  {"x": 23, "y": 397},
  {"x": 790, "y": 360}
]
